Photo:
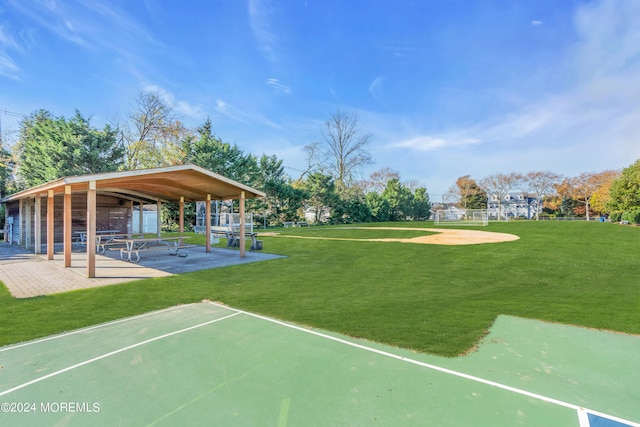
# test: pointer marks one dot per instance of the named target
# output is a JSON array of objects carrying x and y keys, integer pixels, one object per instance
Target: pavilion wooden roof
[{"x": 192, "y": 182}]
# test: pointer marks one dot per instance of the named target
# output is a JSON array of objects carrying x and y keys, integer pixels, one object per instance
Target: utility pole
[{"x": 5, "y": 112}]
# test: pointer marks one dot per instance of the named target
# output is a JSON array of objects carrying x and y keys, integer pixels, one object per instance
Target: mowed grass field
[{"x": 430, "y": 298}]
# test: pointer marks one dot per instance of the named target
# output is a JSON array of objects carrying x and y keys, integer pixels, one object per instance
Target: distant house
[{"x": 513, "y": 205}]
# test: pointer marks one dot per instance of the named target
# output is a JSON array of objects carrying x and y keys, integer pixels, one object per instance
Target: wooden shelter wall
[{"x": 111, "y": 214}]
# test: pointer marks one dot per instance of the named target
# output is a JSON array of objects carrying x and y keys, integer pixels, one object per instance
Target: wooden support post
[
  {"x": 37, "y": 226},
  {"x": 141, "y": 222},
  {"x": 27, "y": 224},
  {"x": 20, "y": 222},
  {"x": 242, "y": 221},
  {"x": 91, "y": 230},
  {"x": 67, "y": 226},
  {"x": 181, "y": 215},
  {"x": 159, "y": 218},
  {"x": 207, "y": 224},
  {"x": 130, "y": 219},
  {"x": 50, "y": 227}
]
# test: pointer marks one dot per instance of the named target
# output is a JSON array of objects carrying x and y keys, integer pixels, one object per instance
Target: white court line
[
  {"x": 95, "y": 359},
  {"x": 89, "y": 328},
  {"x": 580, "y": 410}
]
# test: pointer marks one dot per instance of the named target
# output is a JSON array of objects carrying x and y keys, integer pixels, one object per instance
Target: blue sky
[{"x": 446, "y": 87}]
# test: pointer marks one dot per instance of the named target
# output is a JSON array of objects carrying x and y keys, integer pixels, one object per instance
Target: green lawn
[{"x": 437, "y": 299}]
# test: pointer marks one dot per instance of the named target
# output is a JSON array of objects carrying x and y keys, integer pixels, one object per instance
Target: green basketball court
[{"x": 207, "y": 364}]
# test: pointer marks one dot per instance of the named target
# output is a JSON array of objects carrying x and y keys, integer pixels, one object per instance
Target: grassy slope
[{"x": 438, "y": 299}]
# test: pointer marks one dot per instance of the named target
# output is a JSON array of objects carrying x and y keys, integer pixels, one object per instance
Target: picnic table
[
  {"x": 134, "y": 245},
  {"x": 105, "y": 240},
  {"x": 82, "y": 235}
]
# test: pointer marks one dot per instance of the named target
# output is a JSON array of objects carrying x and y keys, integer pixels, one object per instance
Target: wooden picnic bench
[{"x": 133, "y": 246}]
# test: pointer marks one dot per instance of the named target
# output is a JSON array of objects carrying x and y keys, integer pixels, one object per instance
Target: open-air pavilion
[{"x": 51, "y": 213}]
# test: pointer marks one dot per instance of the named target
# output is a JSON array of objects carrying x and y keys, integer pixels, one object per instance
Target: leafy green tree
[
  {"x": 282, "y": 201},
  {"x": 209, "y": 152},
  {"x": 400, "y": 200},
  {"x": 53, "y": 147},
  {"x": 625, "y": 191},
  {"x": 95, "y": 150},
  {"x": 467, "y": 194},
  {"x": 351, "y": 208},
  {"x": 378, "y": 206},
  {"x": 5, "y": 171},
  {"x": 421, "y": 204},
  {"x": 322, "y": 196}
]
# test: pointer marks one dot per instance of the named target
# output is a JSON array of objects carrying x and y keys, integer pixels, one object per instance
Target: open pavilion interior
[{"x": 60, "y": 210}]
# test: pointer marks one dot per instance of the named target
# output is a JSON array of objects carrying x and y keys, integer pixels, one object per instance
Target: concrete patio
[{"x": 28, "y": 275}]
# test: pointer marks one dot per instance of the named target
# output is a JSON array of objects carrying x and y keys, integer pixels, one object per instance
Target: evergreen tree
[
  {"x": 400, "y": 200},
  {"x": 421, "y": 204},
  {"x": 378, "y": 207},
  {"x": 53, "y": 147},
  {"x": 322, "y": 194}
]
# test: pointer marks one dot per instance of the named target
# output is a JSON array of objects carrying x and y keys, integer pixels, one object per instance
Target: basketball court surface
[{"x": 208, "y": 364}]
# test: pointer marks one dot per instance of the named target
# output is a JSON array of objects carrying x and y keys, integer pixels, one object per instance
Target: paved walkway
[{"x": 28, "y": 275}]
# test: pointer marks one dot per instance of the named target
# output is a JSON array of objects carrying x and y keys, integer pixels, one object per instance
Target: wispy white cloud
[
  {"x": 8, "y": 66},
  {"x": 375, "y": 87},
  {"x": 430, "y": 143},
  {"x": 90, "y": 25},
  {"x": 6, "y": 39},
  {"x": 598, "y": 108},
  {"x": 239, "y": 115},
  {"x": 535, "y": 22},
  {"x": 261, "y": 16},
  {"x": 278, "y": 87},
  {"x": 180, "y": 106}
]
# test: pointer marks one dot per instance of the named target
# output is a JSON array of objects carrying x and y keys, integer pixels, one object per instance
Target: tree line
[
  {"x": 611, "y": 193},
  {"x": 50, "y": 147}
]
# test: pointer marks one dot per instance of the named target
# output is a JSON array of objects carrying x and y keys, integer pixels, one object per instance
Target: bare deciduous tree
[
  {"x": 152, "y": 135},
  {"x": 541, "y": 184},
  {"x": 345, "y": 147},
  {"x": 314, "y": 162},
  {"x": 378, "y": 180},
  {"x": 500, "y": 185}
]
